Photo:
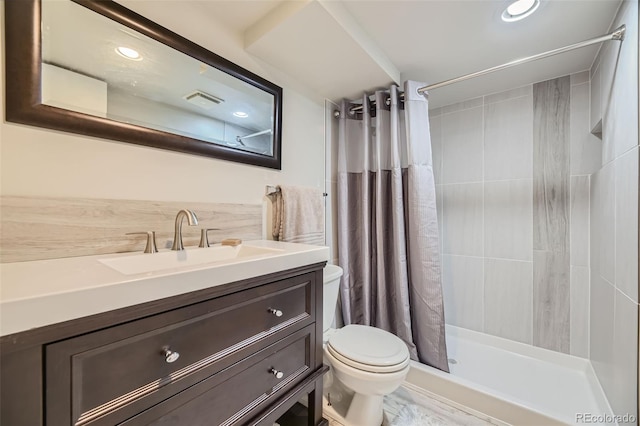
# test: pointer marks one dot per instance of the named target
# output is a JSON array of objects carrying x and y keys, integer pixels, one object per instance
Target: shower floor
[{"x": 513, "y": 381}]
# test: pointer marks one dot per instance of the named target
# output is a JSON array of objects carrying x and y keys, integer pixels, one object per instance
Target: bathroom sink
[
  {"x": 142, "y": 263},
  {"x": 44, "y": 292}
]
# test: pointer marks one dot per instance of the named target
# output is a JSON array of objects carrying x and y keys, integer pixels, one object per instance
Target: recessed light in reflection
[
  {"x": 129, "y": 53},
  {"x": 241, "y": 114},
  {"x": 520, "y": 9}
]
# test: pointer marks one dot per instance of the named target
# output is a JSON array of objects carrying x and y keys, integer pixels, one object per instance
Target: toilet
[{"x": 367, "y": 363}]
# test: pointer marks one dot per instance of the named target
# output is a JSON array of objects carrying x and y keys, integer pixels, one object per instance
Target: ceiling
[{"x": 340, "y": 48}]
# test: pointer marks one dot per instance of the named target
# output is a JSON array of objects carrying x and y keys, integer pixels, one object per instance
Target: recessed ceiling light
[
  {"x": 129, "y": 53},
  {"x": 241, "y": 114},
  {"x": 519, "y": 9}
]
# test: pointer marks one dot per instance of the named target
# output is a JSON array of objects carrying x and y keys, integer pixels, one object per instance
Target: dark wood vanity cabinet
[{"x": 238, "y": 354}]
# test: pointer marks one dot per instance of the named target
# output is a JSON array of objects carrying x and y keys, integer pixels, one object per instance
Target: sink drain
[{"x": 452, "y": 361}]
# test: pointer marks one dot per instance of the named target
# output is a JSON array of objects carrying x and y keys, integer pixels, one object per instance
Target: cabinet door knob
[
  {"x": 169, "y": 355},
  {"x": 278, "y": 374},
  {"x": 276, "y": 312}
]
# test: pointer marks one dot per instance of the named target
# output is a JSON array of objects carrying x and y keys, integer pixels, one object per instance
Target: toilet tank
[{"x": 332, "y": 274}]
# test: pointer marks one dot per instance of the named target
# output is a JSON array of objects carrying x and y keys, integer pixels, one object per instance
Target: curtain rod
[
  {"x": 252, "y": 135},
  {"x": 617, "y": 34}
]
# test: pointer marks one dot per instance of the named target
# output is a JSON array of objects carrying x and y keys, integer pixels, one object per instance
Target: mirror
[{"x": 99, "y": 69}]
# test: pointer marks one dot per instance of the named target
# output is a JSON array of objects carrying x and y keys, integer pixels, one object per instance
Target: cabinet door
[{"x": 233, "y": 395}]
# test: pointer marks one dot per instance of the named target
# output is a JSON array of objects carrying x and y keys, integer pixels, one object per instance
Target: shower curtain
[{"x": 387, "y": 222}]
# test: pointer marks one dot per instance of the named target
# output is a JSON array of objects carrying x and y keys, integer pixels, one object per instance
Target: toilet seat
[{"x": 369, "y": 349}]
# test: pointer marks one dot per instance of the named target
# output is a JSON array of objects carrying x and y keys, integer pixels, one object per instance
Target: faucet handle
[
  {"x": 204, "y": 236},
  {"x": 151, "y": 241}
]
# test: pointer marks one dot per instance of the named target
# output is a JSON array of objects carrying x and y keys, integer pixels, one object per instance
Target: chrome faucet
[{"x": 177, "y": 237}]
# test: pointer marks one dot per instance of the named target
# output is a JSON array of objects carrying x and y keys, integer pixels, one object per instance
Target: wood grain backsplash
[{"x": 47, "y": 228}]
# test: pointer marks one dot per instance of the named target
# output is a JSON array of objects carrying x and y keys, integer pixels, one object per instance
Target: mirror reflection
[{"x": 96, "y": 66}]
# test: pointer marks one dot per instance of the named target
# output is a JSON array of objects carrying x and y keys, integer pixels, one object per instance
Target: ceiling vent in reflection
[{"x": 203, "y": 100}]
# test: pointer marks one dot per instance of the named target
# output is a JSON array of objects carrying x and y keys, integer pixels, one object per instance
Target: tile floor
[
  {"x": 407, "y": 403},
  {"x": 423, "y": 409}
]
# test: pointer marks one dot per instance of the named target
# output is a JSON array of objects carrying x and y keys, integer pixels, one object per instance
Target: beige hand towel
[{"x": 299, "y": 215}]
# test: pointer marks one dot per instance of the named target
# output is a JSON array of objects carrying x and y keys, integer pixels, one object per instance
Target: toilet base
[
  {"x": 349, "y": 409},
  {"x": 365, "y": 410}
]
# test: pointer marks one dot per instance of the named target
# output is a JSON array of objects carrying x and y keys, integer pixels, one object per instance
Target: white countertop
[{"x": 44, "y": 292}]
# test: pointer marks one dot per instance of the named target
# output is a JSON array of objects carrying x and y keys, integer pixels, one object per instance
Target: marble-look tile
[
  {"x": 551, "y": 293},
  {"x": 601, "y": 324},
  {"x": 625, "y": 116},
  {"x": 332, "y": 421},
  {"x": 435, "y": 127},
  {"x": 579, "y": 77},
  {"x": 586, "y": 149},
  {"x": 508, "y": 139},
  {"x": 594, "y": 65},
  {"x": 462, "y": 219},
  {"x": 626, "y": 223},
  {"x": 428, "y": 409},
  {"x": 624, "y": 396},
  {"x": 435, "y": 112},
  {"x": 551, "y": 165},
  {"x": 579, "y": 312},
  {"x": 459, "y": 106},
  {"x": 595, "y": 221},
  {"x": 603, "y": 235},
  {"x": 462, "y": 146},
  {"x": 579, "y": 223},
  {"x": 508, "y": 219},
  {"x": 595, "y": 111},
  {"x": 609, "y": 53},
  {"x": 462, "y": 291},
  {"x": 509, "y": 94},
  {"x": 507, "y": 295},
  {"x": 609, "y": 102}
]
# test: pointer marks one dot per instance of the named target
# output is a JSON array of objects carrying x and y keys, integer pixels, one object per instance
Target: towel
[{"x": 299, "y": 215}]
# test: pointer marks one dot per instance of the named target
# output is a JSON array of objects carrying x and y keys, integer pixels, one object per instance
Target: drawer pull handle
[
  {"x": 276, "y": 312},
  {"x": 278, "y": 374},
  {"x": 169, "y": 355}
]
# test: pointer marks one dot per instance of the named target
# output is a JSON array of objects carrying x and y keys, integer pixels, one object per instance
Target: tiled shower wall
[
  {"x": 614, "y": 217},
  {"x": 539, "y": 217},
  {"x": 512, "y": 173}
]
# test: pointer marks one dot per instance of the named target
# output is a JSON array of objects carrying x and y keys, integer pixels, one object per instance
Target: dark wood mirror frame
[{"x": 23, "y": 85}]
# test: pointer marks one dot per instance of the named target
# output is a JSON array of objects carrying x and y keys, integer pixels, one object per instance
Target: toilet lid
[{"x": 369, "y": 346}]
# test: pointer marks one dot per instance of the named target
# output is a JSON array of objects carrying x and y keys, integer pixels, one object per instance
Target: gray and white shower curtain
[{"x": 387, "y": 222}]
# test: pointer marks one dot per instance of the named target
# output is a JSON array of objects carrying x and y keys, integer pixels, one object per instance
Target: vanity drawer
[
  {"x": 240, "y": 392},
  {"x": 106, "y": 376}
]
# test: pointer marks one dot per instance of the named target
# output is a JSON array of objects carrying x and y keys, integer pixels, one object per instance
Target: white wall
[
  {"x": 39, "y": 162},
  {"x": 67, "y": 89}
]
